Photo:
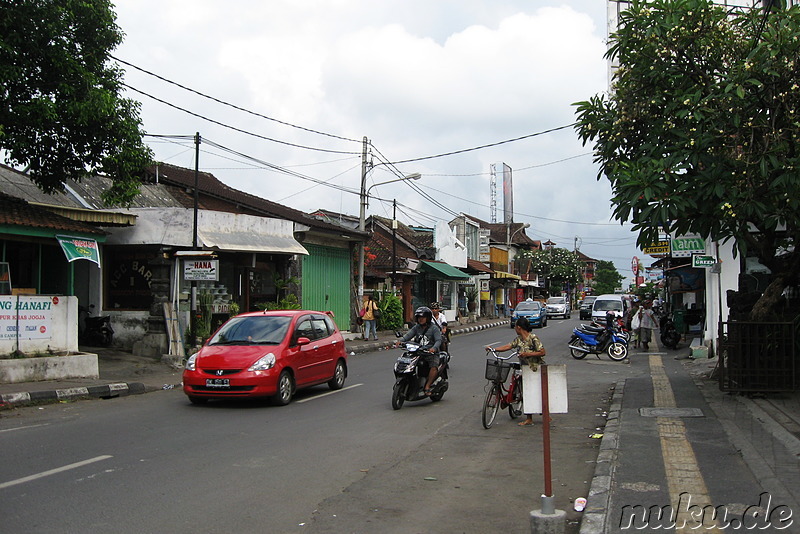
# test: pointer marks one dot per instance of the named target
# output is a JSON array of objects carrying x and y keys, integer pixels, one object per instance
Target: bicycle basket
[{"x": 497, "y": 370}]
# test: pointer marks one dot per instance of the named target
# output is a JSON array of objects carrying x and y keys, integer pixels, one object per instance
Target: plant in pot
[{"x": 472, "y": 298}]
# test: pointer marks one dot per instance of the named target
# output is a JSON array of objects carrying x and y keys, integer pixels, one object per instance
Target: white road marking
[
  {"x": 53, "y": 471},
  {"x": 23, "y": 427},
  {"x": 328, "y": 393}
]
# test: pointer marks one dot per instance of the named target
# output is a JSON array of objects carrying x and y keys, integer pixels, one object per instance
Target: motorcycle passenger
[
  {"x": 441, "y": 321},
  {"x": 529, "y": 349},
  {"x": 429, "y": 338}
]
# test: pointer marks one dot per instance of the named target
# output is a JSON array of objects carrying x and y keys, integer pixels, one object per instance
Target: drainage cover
[{"x": 671, "y": 412}]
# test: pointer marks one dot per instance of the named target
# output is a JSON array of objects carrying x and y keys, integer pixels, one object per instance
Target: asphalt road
[{"x": 328, "y": 462}]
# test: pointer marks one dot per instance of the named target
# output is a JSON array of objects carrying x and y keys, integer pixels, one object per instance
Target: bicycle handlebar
[{"x": 498, "y": 357}]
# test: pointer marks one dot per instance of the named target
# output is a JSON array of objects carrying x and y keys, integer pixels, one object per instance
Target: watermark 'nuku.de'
[{"x": 694, "y": 517}]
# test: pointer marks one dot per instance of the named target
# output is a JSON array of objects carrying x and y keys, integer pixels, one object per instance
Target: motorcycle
[
  {"x": 97, "y": 330},
  {"x": 669, "y": 334},
  {"x": 411, "y": 373},
  {"x": 595, "y": 340}
]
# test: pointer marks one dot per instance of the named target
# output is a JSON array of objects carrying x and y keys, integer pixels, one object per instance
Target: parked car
[
  {"x": 585, "y": 311},
  {"x": 532, "y": 310},
  {"x": 267, "y": 354},
  {"x": 558, "y": 306}
]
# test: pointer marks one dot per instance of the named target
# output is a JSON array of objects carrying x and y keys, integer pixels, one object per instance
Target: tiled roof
[{"x": 17, "y": 212}]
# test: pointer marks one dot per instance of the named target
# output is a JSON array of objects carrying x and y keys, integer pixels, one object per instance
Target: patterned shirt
[{"x": 532, "y": 344}]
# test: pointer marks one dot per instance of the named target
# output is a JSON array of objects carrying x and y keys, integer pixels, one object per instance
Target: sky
[{"x": 298, "y": 84}]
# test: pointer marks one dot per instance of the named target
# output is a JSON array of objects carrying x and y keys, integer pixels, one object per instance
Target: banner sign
[
  {"x": 79, "y": 248},
  {"x": 201, "y": 270},
  {"x": 26, "y": 317}
]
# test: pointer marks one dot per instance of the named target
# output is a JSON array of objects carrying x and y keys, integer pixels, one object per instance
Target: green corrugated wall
[{"x": 326, "y": 282}]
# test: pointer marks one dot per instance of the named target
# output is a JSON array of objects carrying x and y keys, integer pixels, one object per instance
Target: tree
[
  {"x": 700, "y": 134},
  {"x": 606, "y": 278},
  {"x": 559, "y": 265},
  {"x": 61, "y": 113}
]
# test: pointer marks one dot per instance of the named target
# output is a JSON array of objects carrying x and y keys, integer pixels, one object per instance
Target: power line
[
  {"x": 517, "y": 170},
  {"x": 235, "y": 128},
  {"x": 234, "y": 106},
  {"x": 486, "y": 146}
]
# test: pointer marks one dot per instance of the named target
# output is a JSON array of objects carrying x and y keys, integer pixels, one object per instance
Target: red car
[{"x": 267, "y": 354}]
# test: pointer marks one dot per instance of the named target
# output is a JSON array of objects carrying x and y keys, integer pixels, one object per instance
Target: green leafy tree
[
  {"x": 391, "y": 313},
  {"x": 606, "y": 278},
  {"x": 61, "y": 113},
  {"x": 559, "y": 265},
  {"x": 700, "y": 132}
]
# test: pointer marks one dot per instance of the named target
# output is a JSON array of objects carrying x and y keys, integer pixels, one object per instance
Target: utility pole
[
  {"x": 394, "y": 246},
  {"x": 193, "y": 304},
  {"x": 361, "y": 217}
]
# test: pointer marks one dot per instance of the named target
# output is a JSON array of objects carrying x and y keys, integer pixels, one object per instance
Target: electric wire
[
  {"x": 234, "y": 128},
  {"x": 234, "y": 106}
]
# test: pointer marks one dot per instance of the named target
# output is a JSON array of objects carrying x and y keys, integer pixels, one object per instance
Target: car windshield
[
  {"x": 258, "y": 330},
  {"x": 588, "y": 301},
  {"x": 528, "y": 306},
  {"x": 557, "y": 300},
  {"x": 606, "y": 305}
]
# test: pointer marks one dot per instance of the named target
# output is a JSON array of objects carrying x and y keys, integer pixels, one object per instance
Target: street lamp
[
  {"x": 509, "y": 236},
  {"x": 362, "y": 219}
]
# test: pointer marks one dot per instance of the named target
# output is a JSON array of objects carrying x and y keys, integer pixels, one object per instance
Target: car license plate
[{"x": 218, "y": 383}]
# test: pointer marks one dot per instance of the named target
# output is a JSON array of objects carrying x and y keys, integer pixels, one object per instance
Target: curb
[
  {"x": 377, "y": 345},
  {"x": 106, "y": 391},
  {"x": 596, "y": 512}
]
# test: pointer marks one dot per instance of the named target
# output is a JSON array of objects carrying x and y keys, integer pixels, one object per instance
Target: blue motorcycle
[{"x": 597, "y": 340}]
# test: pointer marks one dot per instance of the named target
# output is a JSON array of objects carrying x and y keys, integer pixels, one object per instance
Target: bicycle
[{"x": 498, "y": 396}]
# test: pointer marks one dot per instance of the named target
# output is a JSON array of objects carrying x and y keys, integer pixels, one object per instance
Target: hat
[{"x": 435, "y": 306}]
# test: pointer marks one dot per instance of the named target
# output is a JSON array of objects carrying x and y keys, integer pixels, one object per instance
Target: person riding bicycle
[
  {"x": 441, "y": 321},
  {"x": 429, "y": 338},
  {"x": 530, "y": 351}
]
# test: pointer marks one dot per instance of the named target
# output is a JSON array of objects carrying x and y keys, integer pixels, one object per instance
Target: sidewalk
[
  {"x": 122, "y": 373},
  {"x": 674, "y": 444}
]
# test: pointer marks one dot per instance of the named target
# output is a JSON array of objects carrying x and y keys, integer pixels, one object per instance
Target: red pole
[{"x": 548, "y": 483}]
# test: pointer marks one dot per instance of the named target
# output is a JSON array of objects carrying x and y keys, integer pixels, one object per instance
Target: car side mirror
[{"x": 303, "y": 341}]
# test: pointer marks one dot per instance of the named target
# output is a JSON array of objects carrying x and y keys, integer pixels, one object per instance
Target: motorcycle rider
[{"x": 429, "y": 338}]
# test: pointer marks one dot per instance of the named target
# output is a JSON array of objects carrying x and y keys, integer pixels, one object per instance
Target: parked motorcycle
[
  {"x": 669, "y": 334},
  {"x": 411, "y": 373},
  {"x": 588, "y": 339},
  {"x": 97, "y": 330}
]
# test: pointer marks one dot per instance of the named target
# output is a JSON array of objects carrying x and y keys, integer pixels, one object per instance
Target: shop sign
[
  {"x": 26, "y": 317},
  {"x": 207, "y": 270},
  {"x": 684, "y": 247},
  {"x": 702, "y": 261},
  {"x": 661, "y": 247}
]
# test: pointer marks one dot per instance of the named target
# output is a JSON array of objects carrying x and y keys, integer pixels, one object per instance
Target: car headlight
[
  {"x": 263, "y": 363},
  {"x": 191, "y": 363}
]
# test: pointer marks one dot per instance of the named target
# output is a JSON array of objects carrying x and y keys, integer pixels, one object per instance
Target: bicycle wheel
[
  {"x": 515, "y": 407},
  {"x": 490, "y": 406}
]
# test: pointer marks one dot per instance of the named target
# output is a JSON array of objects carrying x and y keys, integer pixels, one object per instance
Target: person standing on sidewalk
[
  {"x": 370, "y": 322},
  {"x": 530, "y": 350},
  {"x": 441, "y": 321},
  {"x": 647, "y": 323}
]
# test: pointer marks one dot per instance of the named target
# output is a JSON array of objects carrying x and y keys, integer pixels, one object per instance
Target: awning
[
  {"x": 443, "y": 270},
  {"x": 503, "y": 274},
  {"x": 79, "y": 248},
  {"x": 477, "y": 267},
  {"x": 221, "y": 231}
]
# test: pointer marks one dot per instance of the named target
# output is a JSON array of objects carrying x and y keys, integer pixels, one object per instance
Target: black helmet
[
  {"x": 435, "y": 306},
  {"x": 423, "y": 311}
]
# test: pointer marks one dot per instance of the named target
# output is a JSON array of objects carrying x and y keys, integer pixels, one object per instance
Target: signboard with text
[
  {"x": 207, "y": 270},
  {"x": 661, "y": 247},
  {"x": 685, "y": 246},
  {"x": 28, "y": 318},
  {"x": 702, "y": 261}
]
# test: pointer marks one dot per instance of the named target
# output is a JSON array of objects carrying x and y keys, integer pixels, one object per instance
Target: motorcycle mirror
[{"x": 397, "y": 333}]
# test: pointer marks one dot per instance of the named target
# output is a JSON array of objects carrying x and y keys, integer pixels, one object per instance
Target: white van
[{"x": 604, "y": 303}]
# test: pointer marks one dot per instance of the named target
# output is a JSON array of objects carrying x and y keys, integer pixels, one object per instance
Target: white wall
[{"x": 716, "y": 287}]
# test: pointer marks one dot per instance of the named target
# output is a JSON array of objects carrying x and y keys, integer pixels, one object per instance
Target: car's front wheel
[
  {"x": 285, "y": 389},
  {"x": 339, "y": 374}
]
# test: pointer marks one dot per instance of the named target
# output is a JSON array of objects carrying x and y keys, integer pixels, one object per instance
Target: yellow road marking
[{"x": 680, "y": 462}]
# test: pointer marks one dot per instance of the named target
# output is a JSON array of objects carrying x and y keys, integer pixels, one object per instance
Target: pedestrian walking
[
  {"x": 368, "y": 315},
  {"x": 647, "y": 323}
]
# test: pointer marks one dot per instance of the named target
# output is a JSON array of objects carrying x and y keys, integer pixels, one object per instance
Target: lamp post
[
  {"x": 362, "y": 218},
  {"x": 509, "y": 236}
]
